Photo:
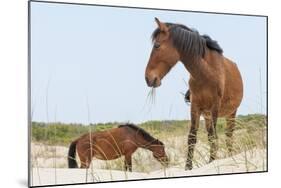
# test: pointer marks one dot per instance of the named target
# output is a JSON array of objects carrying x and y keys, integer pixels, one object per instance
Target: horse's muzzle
[
  {"x": 155, "y": 82},
  {"x": 164, "y": 161}
]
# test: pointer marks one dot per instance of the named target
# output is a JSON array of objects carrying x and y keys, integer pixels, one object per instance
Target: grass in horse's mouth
[{"x": 151, "y": 96}]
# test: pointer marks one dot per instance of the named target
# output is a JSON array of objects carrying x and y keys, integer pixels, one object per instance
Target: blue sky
[{"x": 88, "y": 62}]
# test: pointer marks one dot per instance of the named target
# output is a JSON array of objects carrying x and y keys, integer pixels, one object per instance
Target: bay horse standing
[
  {"x": 114, "y": 143},
  {"x": 215, "y": 83}
]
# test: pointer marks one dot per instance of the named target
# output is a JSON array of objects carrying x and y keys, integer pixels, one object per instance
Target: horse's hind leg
[
  {"x": 85, "y": 159},
  {"x": 230, "y": 124},
  {"x": 128, "y": 162}
]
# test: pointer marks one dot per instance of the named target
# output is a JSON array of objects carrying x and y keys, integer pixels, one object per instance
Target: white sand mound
[{"x": 250, "y": 161}]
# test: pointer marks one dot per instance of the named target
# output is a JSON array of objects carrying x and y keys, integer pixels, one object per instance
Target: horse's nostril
[
  {"x": 154, "y": 81},
  {"x": 147, "y": 80},
  {"x": 151, "y": 82}
]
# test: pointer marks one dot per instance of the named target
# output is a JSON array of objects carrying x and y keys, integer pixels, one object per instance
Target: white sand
[{"x": 253, "y": 160}]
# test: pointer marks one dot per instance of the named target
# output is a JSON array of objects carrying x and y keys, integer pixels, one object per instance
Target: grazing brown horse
[
  {"x": 114, "y": 143},
  {"x": 215, "y": 83}
]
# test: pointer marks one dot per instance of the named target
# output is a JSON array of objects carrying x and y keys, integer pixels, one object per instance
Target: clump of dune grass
[{"x": 249, "y": 142}]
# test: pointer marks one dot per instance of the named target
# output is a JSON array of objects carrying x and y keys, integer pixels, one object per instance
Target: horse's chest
[
  {"x": 203, "y": 99},
  {"x": 204, "y": 95}
]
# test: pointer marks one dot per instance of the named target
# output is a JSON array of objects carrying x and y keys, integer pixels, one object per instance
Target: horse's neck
[
  {"x": 143, "y": 143},
  {"x": 148, "y": 146},
  {"x": 198, "y": 69}
]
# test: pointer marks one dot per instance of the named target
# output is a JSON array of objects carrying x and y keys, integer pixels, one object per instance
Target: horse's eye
[{"x": 156, "y": 45}]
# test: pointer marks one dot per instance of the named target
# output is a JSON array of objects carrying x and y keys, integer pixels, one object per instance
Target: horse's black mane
[
  {"x": 141, "y": 131},
  {"x": 189, "y": 40}
]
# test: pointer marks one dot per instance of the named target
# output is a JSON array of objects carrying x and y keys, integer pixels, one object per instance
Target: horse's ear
[{"x": 162, "y": 26}]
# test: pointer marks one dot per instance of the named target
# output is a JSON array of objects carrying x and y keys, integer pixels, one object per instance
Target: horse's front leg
[
  {"x": 192, "y": 137},
  {"x": 212, "y": 137},
  {"x": 128, "y": 162},
  {"x": 212, "y": 134}
]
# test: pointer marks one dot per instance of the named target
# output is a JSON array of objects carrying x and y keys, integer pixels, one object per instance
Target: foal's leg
[
  {"x": 230, "y": 124},
  {"x": 128, "y": 162},
  {"x": 192, "y": 137}
]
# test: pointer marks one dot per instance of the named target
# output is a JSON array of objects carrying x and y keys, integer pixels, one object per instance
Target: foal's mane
[
  {"x": 188, "y": 40},
  {"x": 141, "y": 131}
]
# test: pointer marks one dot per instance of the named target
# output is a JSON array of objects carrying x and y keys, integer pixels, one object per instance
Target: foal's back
[{"x": 106, "y": 145}]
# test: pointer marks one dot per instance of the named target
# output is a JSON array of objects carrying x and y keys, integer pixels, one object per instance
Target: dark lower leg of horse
[
  {"x": 192, "y": 139},
  {"x": 212, "y": 137},
  {"x": 192, "y": 136},
  {"x": 229, "y": 143},
  {"x": 128, "y": 167},
  {"x": 128, "y": 163},
  {"x": 213, "y": 141},
  {"x": 230, "y": 124}
]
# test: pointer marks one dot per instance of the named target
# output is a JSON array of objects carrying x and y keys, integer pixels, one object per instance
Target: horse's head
[
  {"x": 158, "y": 150},
  {"x": 163, "y": 56}
]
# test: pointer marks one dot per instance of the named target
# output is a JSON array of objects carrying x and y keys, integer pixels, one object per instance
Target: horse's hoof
[
  {"x": 211, "y": 160},
  {"x": 188, "y": 166}
]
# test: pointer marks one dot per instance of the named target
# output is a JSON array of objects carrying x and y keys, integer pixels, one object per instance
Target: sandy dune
[{"x": 253, "y": 160}]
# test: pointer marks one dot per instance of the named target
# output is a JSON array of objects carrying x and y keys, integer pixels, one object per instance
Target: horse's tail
[{"x": 71, "y": 155}]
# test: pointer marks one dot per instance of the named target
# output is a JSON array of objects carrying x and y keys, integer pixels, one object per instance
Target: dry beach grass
[{"x": 49, "y": 162}]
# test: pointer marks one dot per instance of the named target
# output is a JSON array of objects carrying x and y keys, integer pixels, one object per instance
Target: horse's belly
[
  {"x": 106, "y": 149},
  {"x": 226, "y": 112},
  {"x": 107, "y": 155},
  {"x": 228, "y": 107}
]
